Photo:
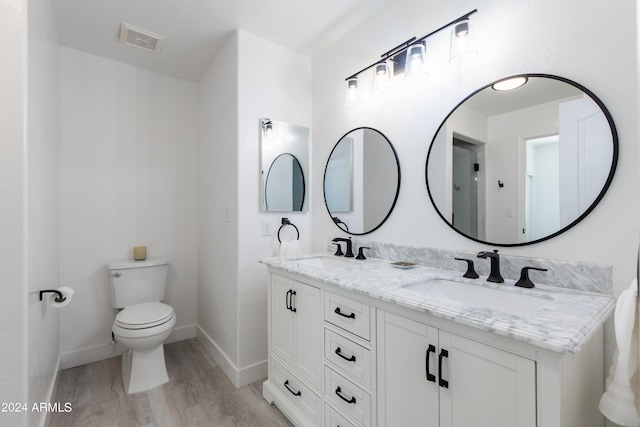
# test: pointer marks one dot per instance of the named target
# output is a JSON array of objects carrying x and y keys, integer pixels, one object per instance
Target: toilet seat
[{"x": 144, "y": 316}]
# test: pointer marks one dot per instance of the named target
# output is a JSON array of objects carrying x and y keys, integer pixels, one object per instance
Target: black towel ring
[{"x": 285, "y": 221}]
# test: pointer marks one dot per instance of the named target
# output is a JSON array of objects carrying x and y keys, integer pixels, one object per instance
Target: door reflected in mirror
[
  {"x": 361, "y": 181},
  {"x": 284, "y": 150},
  {"x": 517, "y": 167}
]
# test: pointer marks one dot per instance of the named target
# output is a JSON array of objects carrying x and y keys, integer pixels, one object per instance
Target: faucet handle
[
  {"x": 524, "y": 281},
  {"x": 339, "y": 250},
  {"x": 471, "y": 272},
  {"x": 360, "y": 253}
]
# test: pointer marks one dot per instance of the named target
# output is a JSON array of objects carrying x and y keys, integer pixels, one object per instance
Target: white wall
[
  {"x": 13, "y": 316},
  {"x": 217, "y": 208},
  {"x": 587, "y": 44},
  {"x": 43, "y": 203},
  {"x": 273, "y": 82},
  {"x": 269, "y": 81},
  {"x": 591, "y": 44},
  {"x": 128, "y": 178},
  {"x": 29, "y": 147},
  {"x": 503, "y": 130}
]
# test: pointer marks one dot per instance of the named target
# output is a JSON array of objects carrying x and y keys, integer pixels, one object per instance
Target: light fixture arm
[
  {"x": 397, "y": 49},
  {"x": 405, "y": 45},
  {"x": 455, "y": 21}
]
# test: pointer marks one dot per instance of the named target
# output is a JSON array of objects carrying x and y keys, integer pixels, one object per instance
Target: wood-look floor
[{"x": 198, "y": 394}]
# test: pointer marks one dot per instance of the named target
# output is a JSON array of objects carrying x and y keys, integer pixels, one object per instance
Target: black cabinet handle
[
  {"x": 348, "y": 359},
  {"x": 288, "y": 299},
  {"x": 349, "y": 316},
  {"x": 298, "y": 393},
  {"x": 430, "y": 376},
  {"x": 339, "y": 393},
  {"x": 442, "y": 382},
  {"x": 292, "y": 308}
]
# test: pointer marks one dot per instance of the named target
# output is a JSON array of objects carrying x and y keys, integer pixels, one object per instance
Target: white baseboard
[
  {"x": 44, "y": 418},
  {"x": 238, "y": 377},
  {"x": 105, "y": 351}
]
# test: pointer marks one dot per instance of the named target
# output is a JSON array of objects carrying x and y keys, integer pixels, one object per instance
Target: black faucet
[
  {"x": 494, "y": 275},
  {"x": 349, "y": 252}
]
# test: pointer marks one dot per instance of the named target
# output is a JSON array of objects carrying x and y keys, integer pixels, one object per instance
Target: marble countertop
[{"x": 563, "y": 321}]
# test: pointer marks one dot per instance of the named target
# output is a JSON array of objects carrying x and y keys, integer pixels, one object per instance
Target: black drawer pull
[
  {"x": 430, "y": 376},
  {"x": 298, "y": 393},
  {"x": 442, "y": 382},
  {"x": 349, "y": 316},
  {"x": 348, "y": 359},
  {"x": 339, "y": 393}
]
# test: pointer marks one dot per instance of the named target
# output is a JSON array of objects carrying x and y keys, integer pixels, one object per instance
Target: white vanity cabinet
[
  {"x": 430, "y": 377},
  {"x": 295, "y": 350},
  {"x": 341, "y": 356}
]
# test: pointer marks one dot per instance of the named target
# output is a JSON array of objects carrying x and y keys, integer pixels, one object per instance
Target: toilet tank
[{"x": 135, "y": 282}]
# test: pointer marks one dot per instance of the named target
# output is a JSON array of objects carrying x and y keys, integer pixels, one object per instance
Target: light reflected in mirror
[
  {"x": 517, "y": 167},
  {"x": 361, "y": 181},
  {"x": 284, "y": 150}
]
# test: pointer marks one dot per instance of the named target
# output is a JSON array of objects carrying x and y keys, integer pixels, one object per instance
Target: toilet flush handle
[{"x": 116, "y": 274}]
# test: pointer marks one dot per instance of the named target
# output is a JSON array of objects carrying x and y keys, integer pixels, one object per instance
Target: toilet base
[{"x": 143, "y": 369}]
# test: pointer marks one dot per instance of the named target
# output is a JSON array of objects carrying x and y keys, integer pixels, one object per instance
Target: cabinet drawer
[
  {"x": 333, "y": 418},
  {"x": 348, "y": 314},
  {"x": 347, "y": 396},
  {"x": 352, "y": 359},
  {"x": 306, "y": 401}
]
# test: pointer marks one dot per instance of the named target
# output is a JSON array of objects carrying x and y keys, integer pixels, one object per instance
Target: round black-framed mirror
[
  {"x": 284, "y": 185},
  {"x": 361, "y": 181},
  {"x": 517, "y": 167}
]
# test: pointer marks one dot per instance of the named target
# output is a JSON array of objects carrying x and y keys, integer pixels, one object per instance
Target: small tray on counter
[{"x": 403, "y": 264}]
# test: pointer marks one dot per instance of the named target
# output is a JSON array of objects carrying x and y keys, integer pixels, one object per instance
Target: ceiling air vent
[{"x": 137, "y": 37}]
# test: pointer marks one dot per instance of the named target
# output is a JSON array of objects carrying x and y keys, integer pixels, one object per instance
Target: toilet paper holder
[{"x": 59, "y": 298}]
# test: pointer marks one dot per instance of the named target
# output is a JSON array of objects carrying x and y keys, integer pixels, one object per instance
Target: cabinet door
[
  {"x": 282, "y": 321},
  {"x": 308, "y": 334},
  {"x": 486, "y": 386},
  {"x": 406, "y": 397}
]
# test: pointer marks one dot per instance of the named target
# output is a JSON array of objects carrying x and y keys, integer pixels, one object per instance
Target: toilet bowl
[{"x": 142, "y": 329}]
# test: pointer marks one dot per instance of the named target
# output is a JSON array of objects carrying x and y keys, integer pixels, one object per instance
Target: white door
[
  {"x": 465, "y": 189},
  {"x": 406, "y": 397},
  {"x": 486, "y": 386},
  {"x": 282, "y": 320},
  {"x": 585, "y": 139}
]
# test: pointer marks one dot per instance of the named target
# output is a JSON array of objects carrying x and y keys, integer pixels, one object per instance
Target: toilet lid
[{"x": 144, "y": 315}]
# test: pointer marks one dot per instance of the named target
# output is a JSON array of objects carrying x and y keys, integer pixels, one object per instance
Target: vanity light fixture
[
  {"x": 409, "y": 58},
  {"x": 415, "y": 66},
  {"x": 463, "y": 42},
  {"x": 351, "y": 97},
  {"x": 267, "y": 128},
  {"x": 509, "y": 84},
  {"x": 381, "y": 78}
]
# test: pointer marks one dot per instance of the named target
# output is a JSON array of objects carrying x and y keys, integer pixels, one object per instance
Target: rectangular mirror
[{"x": 284, "y": 151}]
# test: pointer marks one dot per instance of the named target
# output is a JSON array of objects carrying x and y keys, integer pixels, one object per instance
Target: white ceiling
[{"x": 196, "y": 29}]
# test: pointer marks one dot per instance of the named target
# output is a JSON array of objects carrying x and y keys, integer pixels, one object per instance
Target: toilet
[{"x": 143, "y": 322}]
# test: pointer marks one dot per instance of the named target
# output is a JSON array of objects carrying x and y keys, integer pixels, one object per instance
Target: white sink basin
[
  {"x": 325, "y": 263},
  {"x": 504, "y": 299}
]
